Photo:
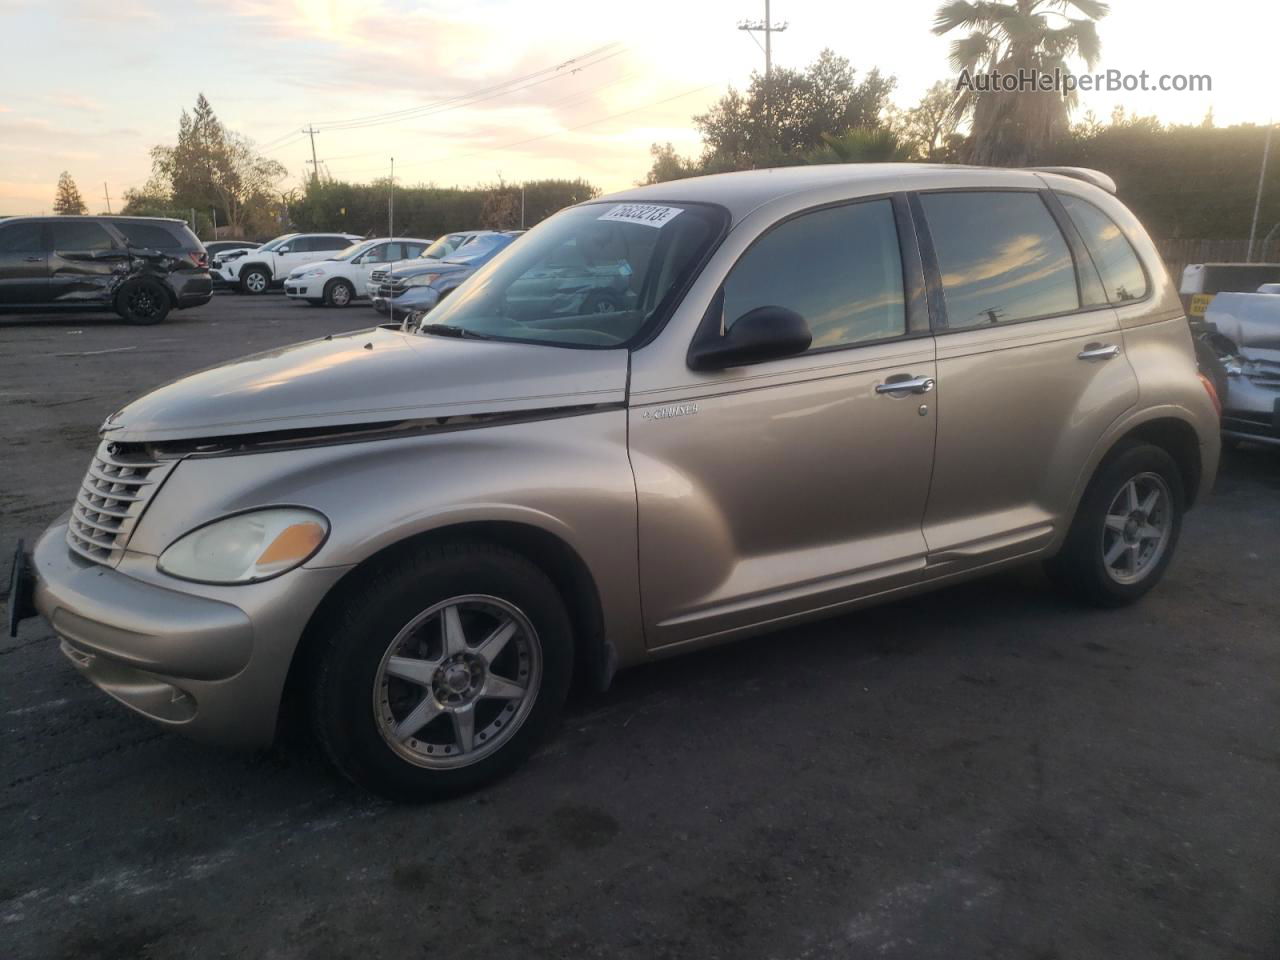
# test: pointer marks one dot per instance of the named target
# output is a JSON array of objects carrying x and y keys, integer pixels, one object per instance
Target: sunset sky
[{"x": 90, "y": 87}]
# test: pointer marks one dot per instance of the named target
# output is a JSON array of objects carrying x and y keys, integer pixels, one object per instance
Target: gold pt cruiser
[{"x": 660, "y": 420}]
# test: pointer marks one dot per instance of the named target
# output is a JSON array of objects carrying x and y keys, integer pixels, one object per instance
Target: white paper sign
[{"x": 648, "y": 214}]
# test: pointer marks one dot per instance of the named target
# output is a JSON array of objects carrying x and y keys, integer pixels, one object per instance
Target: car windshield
[
  {"x": 591, "y": 276},
  {"x": 353, "y": 251},
  {"x": 443, "y": 247},
  {"x": 272, "y": 244},
  {"x": 478, "y": 248}
]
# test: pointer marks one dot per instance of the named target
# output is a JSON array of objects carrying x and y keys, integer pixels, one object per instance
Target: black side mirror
[{"x": 765, "y": 333}]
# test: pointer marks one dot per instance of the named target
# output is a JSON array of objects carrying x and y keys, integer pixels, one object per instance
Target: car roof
[
  {"x": 742, "y": 192},
  {"x": 97, "y": 216}
]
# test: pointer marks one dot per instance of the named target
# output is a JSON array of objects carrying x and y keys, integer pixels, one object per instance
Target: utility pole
[
  {"x": 315, "y": 166},
  {"x": 107, "y": 195},
  {"x": 768, "y": 28},
  {"x": 1262, "y": 176}
]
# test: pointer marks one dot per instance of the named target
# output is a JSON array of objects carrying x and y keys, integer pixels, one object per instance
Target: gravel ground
[{"x": 984, "y": 772}]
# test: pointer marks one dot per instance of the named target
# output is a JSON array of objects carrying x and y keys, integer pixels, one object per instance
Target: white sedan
[{"x": 337, "y": 281}]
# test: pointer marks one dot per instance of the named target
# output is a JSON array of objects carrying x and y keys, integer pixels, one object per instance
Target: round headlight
[{"x": 247, "y": 547}]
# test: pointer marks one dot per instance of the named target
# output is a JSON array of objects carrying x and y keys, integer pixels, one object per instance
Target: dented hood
[{"x": 371, "y": 376}]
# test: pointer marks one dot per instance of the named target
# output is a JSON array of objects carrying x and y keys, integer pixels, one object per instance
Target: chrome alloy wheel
[
  {"x": 1138, "y": 526},
  {"x": 457, "y": 681}
]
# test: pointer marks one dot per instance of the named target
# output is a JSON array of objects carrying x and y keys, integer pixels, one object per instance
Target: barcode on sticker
[{"x": 649, "y": 214}]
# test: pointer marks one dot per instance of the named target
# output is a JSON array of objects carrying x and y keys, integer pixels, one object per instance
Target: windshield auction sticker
[{"x": 649, "y": 214}]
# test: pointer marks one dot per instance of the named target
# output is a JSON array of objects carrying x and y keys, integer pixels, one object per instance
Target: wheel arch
[
  {"x": 1165, "y": 428},
  {"x": 594, "y": 658}
]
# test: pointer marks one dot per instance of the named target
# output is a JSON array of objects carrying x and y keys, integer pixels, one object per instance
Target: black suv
[{"x": 140, "y": 267}]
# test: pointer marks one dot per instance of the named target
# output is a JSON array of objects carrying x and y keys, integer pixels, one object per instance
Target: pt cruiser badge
[{"x": 666, "y": 413}]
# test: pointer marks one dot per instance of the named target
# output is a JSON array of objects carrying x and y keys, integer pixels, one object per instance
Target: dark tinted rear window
[
  {"x": 80, "y": 235},
  {"x": 21, "y": 238},
  {"x": 155, "y": 236}
]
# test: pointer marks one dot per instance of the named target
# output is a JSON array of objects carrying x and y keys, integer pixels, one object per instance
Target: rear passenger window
[
  {"x": 21, "y": 238},
  {"x": 80, "y": 235},
  {"x": 839, "y": 268},
  {"x": 1001, "y": 256},
  {"x": 1114, "y": 256},
  {"x": 150, "y": 235},
  {"x": 330, "y": 243}
]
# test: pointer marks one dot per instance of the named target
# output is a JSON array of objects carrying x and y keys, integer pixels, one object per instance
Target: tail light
[
  {"x": 1212, "y": 391},
  {"x": 199, "y": 258}
]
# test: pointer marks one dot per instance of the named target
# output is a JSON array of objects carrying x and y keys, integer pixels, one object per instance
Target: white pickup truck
[
  {"x": 266, "y": 267},
  {"x": 1243, "y": 330}
]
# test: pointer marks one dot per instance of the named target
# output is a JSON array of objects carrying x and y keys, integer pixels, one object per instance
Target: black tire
[
  {"x": 1080, "y": 568},
  {"x": 339, "y": 293},
  {"x": 369, "y": 618},
  {"x": 143, "y": 302},
  {"x": 255, "y": 280}
]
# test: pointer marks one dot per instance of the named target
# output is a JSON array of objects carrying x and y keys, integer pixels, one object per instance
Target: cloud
[{"x": 75, "y": 101}]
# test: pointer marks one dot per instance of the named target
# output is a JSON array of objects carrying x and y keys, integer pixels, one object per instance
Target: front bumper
[
  {"x": 208, "y": 661},
  {"x": 298, "y": 289},
  {"x": 1251, "y": 408}
]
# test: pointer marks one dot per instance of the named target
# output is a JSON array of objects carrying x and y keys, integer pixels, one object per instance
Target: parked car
[
  {"x": 440, "y": 248},
  {"x": 412, "y": 292},
  {"x": 835, "y": 385},
  {"x": 1202, "y": 281},
  {"x": 218, "y": 248},
  {"x": 267, "y": 266},
  {"x": 1243, "y": 330},
  {"x": 140, "y": 267},
  {"x": 340, "y": 279}
]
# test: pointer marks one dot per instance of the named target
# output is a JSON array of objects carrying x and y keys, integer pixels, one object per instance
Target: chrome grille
[
  {"x": 115, "y": 491},
  {"x": 378, "y": 276}
]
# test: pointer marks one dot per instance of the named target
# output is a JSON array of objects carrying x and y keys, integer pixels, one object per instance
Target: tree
[
  {"x": 826, "y": 97},
  {"x": 669, "y": 165},
  {"x": 213, "y": 167},
  {"x": 930, "y": 127},
  {"x": 1031, "y": 36},
  {"x": 68, "y": 200},
  {"x": 862, "y": 145}
]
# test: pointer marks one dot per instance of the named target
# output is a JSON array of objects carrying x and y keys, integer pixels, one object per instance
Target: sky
[{"x": 89, "y": 87}]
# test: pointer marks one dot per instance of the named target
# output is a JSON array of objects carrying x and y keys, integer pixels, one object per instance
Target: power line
[
  {"x": 580, "y": 62},
  {"x": 768, "y": 28}
]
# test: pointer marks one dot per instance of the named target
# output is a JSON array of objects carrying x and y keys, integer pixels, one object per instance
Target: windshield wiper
[{"x": 445, "y": 330}]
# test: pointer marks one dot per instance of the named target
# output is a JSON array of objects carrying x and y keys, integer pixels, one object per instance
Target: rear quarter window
[{"x": 1113, "y": 255}]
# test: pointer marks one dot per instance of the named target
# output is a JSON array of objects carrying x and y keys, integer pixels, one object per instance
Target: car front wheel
[
  {"x": 255, "y": 280},
  {"x": 1125, "y": 529},
  {"x": 442, "y": 671},
  {"x": 339, "y": 293}
]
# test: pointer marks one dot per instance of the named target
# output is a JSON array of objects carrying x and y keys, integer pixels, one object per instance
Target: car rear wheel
[
  {"x": 442, "y": 671},
  {"x": 339, "y": 293},
  {"x": 143, "y": 302},
  {"x": 255, "y": 280},
  {"x": 1125, "y": 529}
]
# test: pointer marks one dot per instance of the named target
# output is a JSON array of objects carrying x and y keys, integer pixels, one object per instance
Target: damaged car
[
  {"x": 1243, "y": 332},
  {"x": 140, "y": 267}
]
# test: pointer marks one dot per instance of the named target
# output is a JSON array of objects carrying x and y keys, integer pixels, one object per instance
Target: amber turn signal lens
[{"x": 292, "y": 545}]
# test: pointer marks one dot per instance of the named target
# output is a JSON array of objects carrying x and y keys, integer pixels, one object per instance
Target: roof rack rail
[{"x": 1095, "y": 177}]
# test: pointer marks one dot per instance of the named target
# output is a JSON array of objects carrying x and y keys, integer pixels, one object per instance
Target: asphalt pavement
[{"x": 988, "y": 771}]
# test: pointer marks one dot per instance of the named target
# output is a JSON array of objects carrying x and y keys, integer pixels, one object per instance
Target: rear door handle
[
  {"x": 33, "y": 259},
  {"x": 1099, "y": 351},
  {"x": 903, "y": 384}
]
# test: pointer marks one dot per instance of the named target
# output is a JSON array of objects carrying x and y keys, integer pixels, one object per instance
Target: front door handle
[
  {"x": 903, "y": 384},
  {"x": 1099, "y": 351},
  {"x": 33, "y": 259}
]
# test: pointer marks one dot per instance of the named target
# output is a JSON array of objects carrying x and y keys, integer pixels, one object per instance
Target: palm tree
[
  {"x": 863, "y": 144},
  {"x": 1016, "y": 129}
]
